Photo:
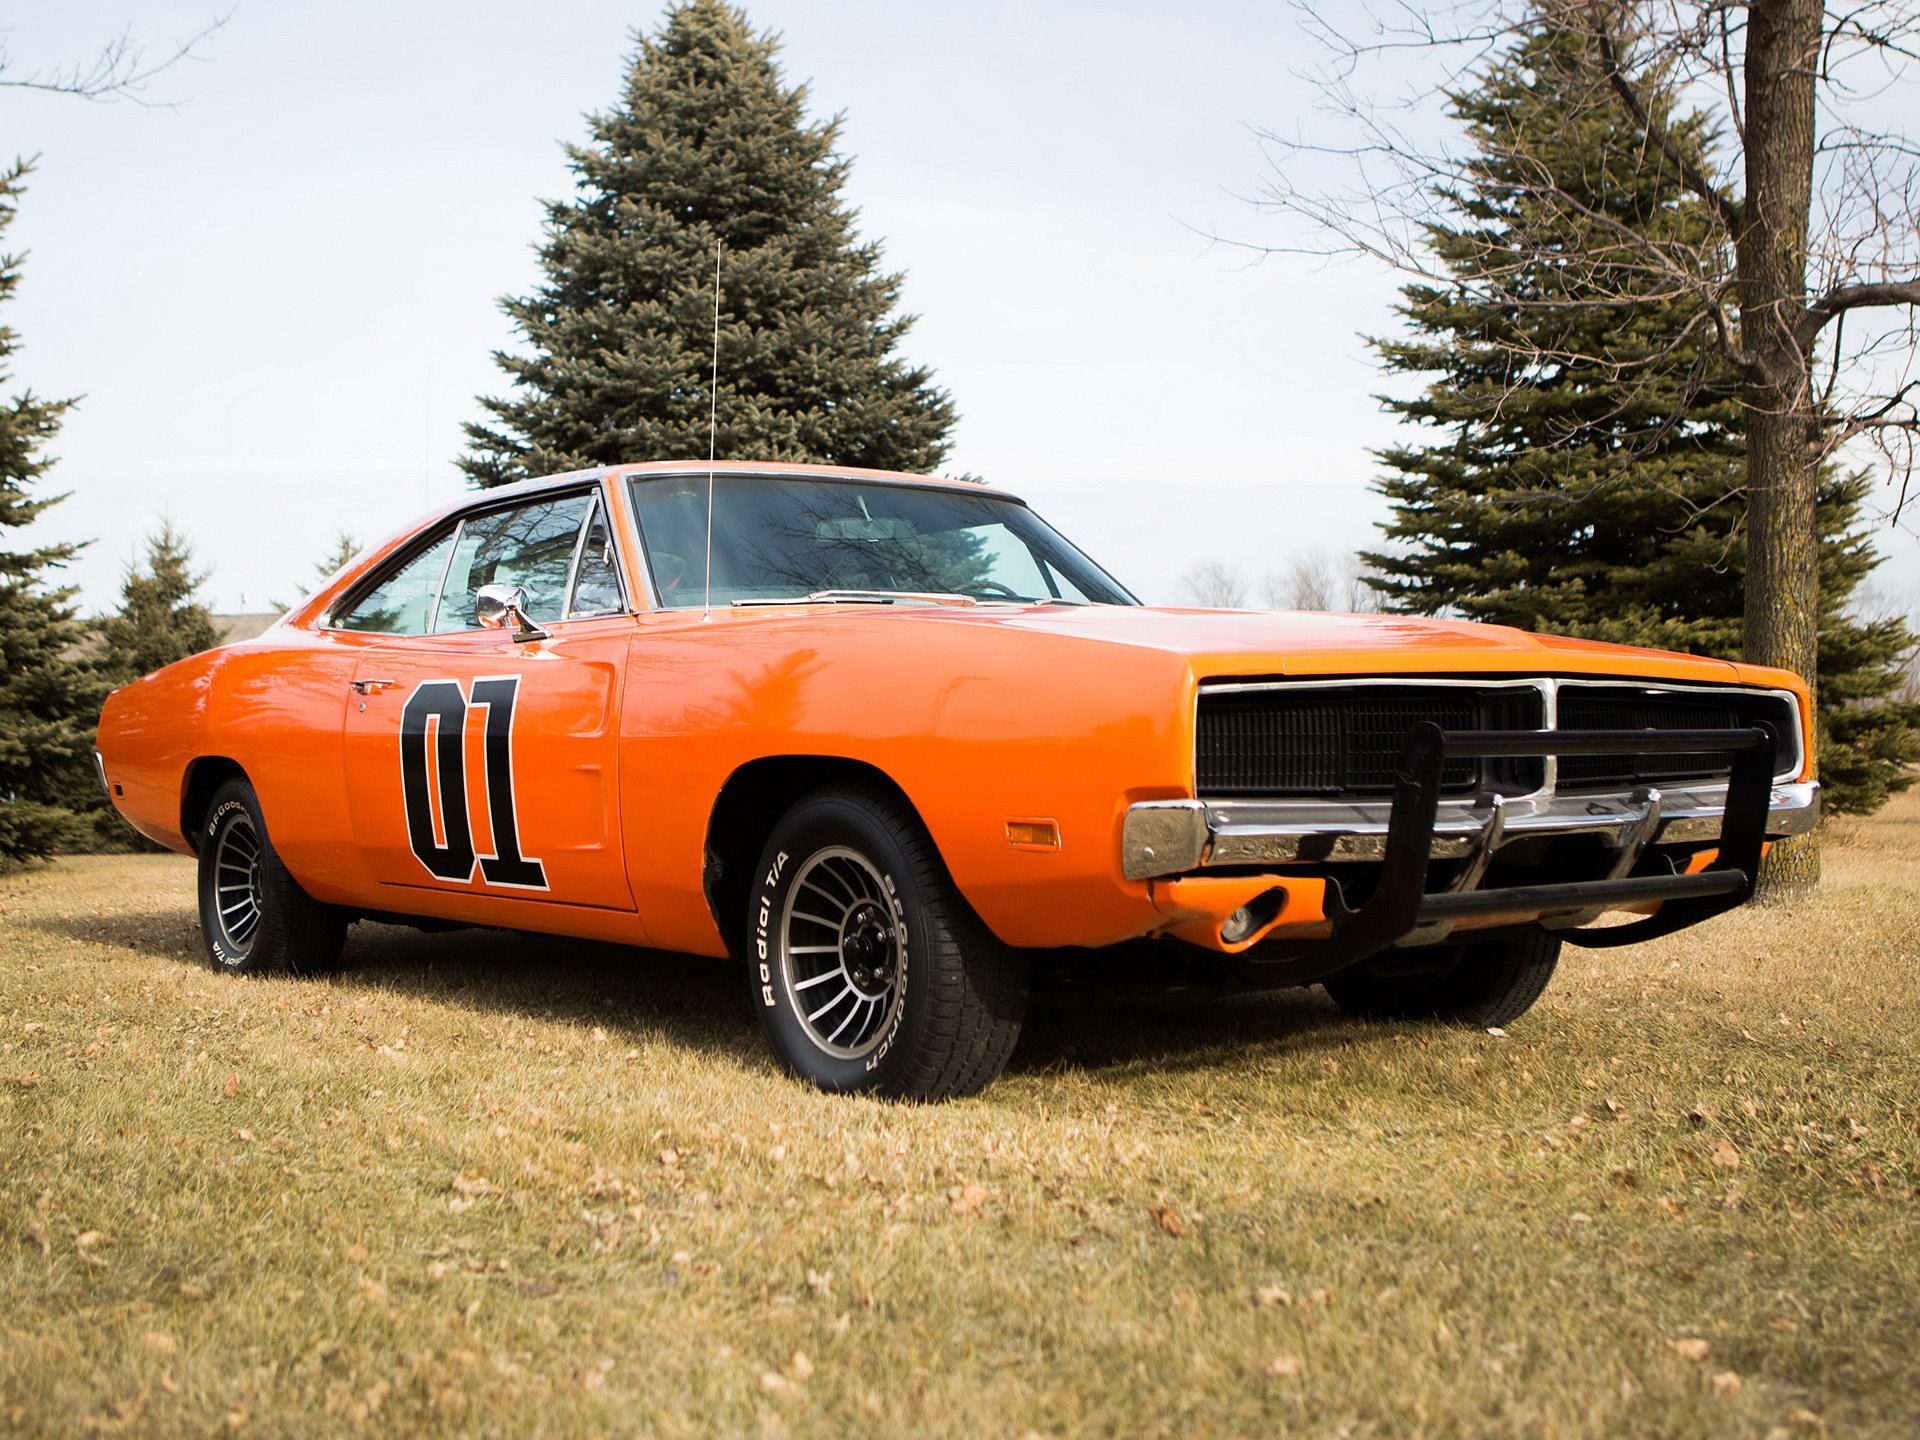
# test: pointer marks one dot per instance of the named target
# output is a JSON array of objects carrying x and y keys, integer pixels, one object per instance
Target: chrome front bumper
[{"x": 1174, "y": 837}]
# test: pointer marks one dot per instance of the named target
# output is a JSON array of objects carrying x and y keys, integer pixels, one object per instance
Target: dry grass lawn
[{"x": 492, "y": 1185}]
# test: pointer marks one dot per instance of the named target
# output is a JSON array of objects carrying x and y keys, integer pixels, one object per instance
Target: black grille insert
[
  {"x": 1343, "y": 744},
  {"x": 1634, "y": 707}
]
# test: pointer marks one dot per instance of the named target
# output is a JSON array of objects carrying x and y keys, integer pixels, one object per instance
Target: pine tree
[
  {"x": 47, "y": 698},
  {"x": 346, "y": 549},
  {"x": 1600, "y": 494},
  {"x": 708, "y": 146},
  {"x": 160, "y": 620}
]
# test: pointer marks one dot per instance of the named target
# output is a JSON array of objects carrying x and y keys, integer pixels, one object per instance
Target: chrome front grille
[
  {"x": 1261, "y": 741},
  {"x": 1341, "y": 740},
  {"x": 1586, "y": 706}
]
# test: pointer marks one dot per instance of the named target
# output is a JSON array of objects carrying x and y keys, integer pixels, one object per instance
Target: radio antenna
[{"x": 713, "y": 427}]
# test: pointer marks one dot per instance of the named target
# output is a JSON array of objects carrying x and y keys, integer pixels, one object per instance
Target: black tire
[
  {"x": 851, "y": 900},
  {"x": 1478, "y": 984},
  {"x": 254, "y": 917}
]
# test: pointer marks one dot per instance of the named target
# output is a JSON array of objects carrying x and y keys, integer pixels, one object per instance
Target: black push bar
[{"x": 1400, "y": 904}]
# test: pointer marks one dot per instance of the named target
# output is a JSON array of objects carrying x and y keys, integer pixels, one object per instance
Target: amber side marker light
[{"x": 1033, "y": 834}]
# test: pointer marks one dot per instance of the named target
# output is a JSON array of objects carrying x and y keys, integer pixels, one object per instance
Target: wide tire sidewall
[
  {"x": 233, "y": 797},
  {"x": 812, "y": 826},
  {"x": 1491, "y": 982},
  {"x": 297, "y": 934}
]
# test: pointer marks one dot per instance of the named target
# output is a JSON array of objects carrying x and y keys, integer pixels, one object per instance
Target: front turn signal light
[{"x": 1033, "y": 834}]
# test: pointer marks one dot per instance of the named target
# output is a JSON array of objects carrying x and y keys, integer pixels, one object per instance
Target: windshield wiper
[{"x": 862, "y": 597}]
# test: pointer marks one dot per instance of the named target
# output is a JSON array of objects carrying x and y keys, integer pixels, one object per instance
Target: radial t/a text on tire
[
  {"x": 254, "y": 917},
  {"x": 868, "y": 970}
]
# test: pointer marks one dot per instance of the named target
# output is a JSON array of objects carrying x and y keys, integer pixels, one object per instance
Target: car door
[{"x": 476, "y": 761}]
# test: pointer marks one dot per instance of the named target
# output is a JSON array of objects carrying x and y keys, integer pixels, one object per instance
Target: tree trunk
[
  {"x": 1783, "y": 594},
  {"x": 1783, "y": 580}
]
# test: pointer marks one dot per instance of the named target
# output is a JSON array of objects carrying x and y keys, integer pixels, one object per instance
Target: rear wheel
[
  {"x": 1480, "y": 983},
  {"x": 254, "y": 917},
  {"x": 869, "y": 971}
]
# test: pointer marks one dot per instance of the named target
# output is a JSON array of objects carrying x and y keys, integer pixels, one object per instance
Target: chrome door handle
[{"x": 367, "y": 687}]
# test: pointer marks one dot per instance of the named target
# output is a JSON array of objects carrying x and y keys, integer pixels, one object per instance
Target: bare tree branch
[
  {"x": 119, "y": 70},
  {"x": 1843, "y": 298},
  {"x": 1653, "y": 129}
]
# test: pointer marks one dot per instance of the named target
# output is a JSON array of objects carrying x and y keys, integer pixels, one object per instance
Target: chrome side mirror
[{"x": 494, "y": 606}]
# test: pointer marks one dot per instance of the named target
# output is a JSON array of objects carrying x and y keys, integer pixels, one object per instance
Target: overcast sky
[{"x": 278, "y": 296}]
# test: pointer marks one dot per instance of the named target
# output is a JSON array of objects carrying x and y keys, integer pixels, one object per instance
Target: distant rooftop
[{"x": 243, "y": 627}]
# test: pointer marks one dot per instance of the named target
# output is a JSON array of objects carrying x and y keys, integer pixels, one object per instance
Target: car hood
[{"x": 1218, "y": 643}]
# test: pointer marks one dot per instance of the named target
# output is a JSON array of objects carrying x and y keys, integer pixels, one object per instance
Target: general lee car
[{"x": 899, "y": 736}]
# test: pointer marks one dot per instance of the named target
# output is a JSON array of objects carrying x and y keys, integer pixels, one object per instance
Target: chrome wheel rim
[
  {"x": 237, "y": 899},
  {"x": 842, "y": 953}
]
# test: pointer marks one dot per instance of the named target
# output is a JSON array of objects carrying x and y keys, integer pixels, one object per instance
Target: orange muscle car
[{"x": 896, "y": 736}]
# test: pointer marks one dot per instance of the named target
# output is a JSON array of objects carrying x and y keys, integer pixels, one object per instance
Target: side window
[
  {"x": 596, "y": 579},
  {"x": 531, "y": 547},
  {"x": 402, "y": 603}
]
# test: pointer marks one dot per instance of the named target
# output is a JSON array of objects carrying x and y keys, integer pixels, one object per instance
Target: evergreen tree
[
  {"x": 47, "y": 698},
  {"x": 346, "y": 547},
  {"x": 708, "y": 146},
  {"x": 159, "y": 620},
  {"x": 1600, "y": 494}
]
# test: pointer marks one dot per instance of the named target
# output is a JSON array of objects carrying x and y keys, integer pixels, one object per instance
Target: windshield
[{"x": 780, "y": 539}]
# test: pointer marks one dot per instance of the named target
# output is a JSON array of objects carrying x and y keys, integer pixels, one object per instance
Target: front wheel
[
  {"x": 1481, "y": 984},
  {"x": 869, "y": 971},
  {"x": 254, "y": 917}
]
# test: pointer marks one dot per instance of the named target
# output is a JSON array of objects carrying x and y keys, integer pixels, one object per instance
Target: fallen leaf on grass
[
  {"x": 968, "y": 1198},
  {"x": 1168, "y": 1219},
  {"x": 1286, "y": 1367},
  {"x": 1725, "y": 1156},
  {"x": 799, "y": 1367},
  {"x": 1272, "y": 1295},
  {"x": 1692, "y": 1348},
  {"x": 230, "y": 1089},
  {"x": 1726, "y": 1383}
]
